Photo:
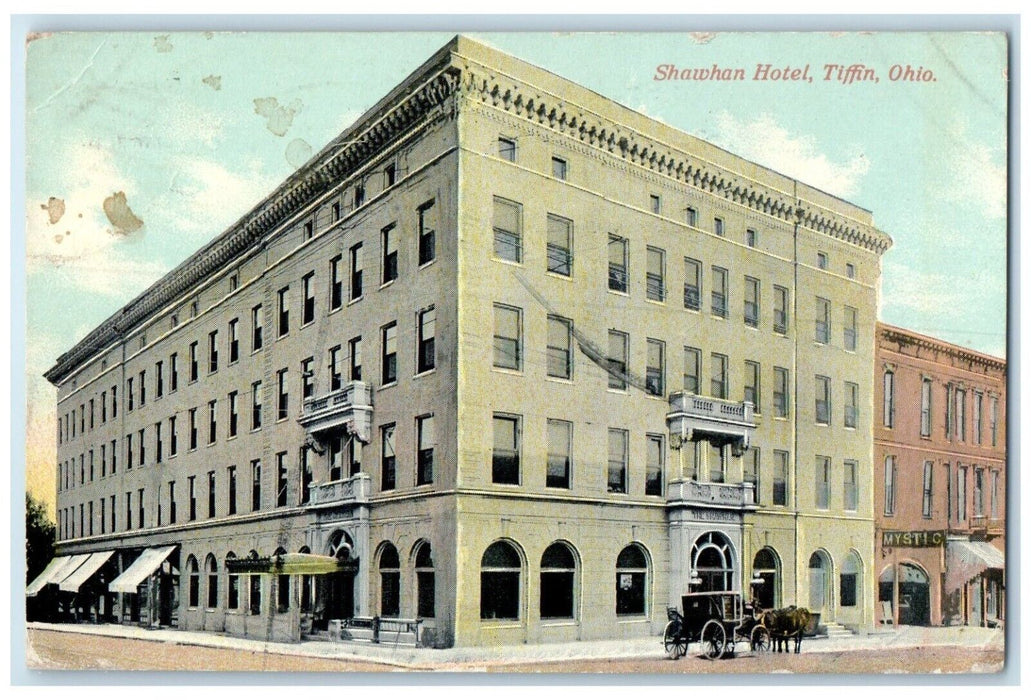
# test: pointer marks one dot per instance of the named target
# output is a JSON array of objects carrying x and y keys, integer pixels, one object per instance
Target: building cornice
[{"x": 903, "y": 337}]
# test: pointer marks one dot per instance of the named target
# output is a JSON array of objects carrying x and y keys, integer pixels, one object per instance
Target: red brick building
[{"x": 939, "y": 481}]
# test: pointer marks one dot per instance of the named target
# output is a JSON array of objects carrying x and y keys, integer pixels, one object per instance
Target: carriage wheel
[
  {"x": 676, "y": 646},
  {"x": 761, "y": 639},
  {"x": 714, "y": 639}
]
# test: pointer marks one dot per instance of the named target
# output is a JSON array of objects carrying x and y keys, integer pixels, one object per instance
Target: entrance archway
[
  {"x": 820, "y": 578},
  {"x": 766, "y": 566},
  {"x": 334, "y": 593},
  {"x": 712, "y": 561},
  {"x": 914, "y": 595}
]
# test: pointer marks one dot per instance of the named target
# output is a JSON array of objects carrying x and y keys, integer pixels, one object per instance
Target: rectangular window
[
  {"x": 427, "y": 234},
  {"x": 113, "y": 512},
  {"x": 716, "y": 463},
  {"x": 850, "y": 271},
  {"x": 654, "y": 466},
  {"x": 823, "y": 321},
  {"x": 140, "y": 509},
  {"x": 978, "y": 405},
  {"x": 143, "y": 394},
  {"x": 128, "y": 510},
  {"x": 823, "y": 482},
  {"x": 234, "y": 340},
  {"x": 719, "y": 387},
  {"x": 961, "y": 415},
  {"x": 691, "y": 216},
  {"x": 193, "y": 428},
  {"x": 281, "y": 479},
  {"x": 993, "y": 418},
  {"x": 194, "y": 365},
  {"x": 426, "y": 354},
  {"x": 507, "y": 148},
  {"x": 692, "y": 284},
  {"x": 780, "y": 478},
  {"x": 158, "y": 446},
  {"x": 336, "y": 452},
  {"x": 307, "y": 378},
  {"x": 354, "y": 347},
  {"x": 114, "y": 404},
  {"x": 851, "y": 404},
  {"x": 961, "y": 494},
  {"x": 308, "y": 292},
  {"x": 925, "y": 407},
  {"x": 309, "y": 230},
  {"x": 388, "y": 466},
  {"x": 780, "y": 310},
  {"x": 255, "y": 594},
  {"x": 336, "y": 284},
  {"x": 560, "y": 245},
  {"x": 171, "y": 503},
  {"x": 560, "y": 356},
  {"x": 978, "y": 493},
  {"x": 823, "y": 400},
  {"x": 389, "y": 357},
  {"x": 655, "y": 274},
  {"x": 255, "y": 484},
  {"x": 617, "y": 359},
  {"x": 508, "y": 230},
  {"x": 889, "y": 399},
  {"x": 335, "y": 377},
  {"x": 617, "y": 460},
  {"x": 212, "y": 351},
  {"x": 282, "y": 395},
  {"x": 306, "y": 474},
  {"x": 560, "y": 450},
  {"x": 994, "y": 506},
  {"x": 717, "y": 227},
  {"x": 719, "y": 292},
  {"x": 751, "y": 238},
  {"x": 103, "y": 415},
  {"x": 191, "y": 490},
  {"x": 821, "y": 261},
  {"x": 283, "y": 317},
  {"x": 619, "y": 276},
  {"x": 234, "y": 417},
  {"x": 426, "y": 441},
  {"x": 751, "y": 302},
  {"x": 752, "y": 394},
  {"x": 692, "y": 370},
  {"x": 212, "y": 427},
  {"x": 508, "y": 337},
  {"x": 255, "y": 405},
  {"x": 559, "y": 168},
  {"x": 354, "y": 456},
  {"x": 232, "y": 491},
  {"x": 143, "y": 447},
  {"x": 390, "y": 174},
  {"x": 655, "y": 202},
  {"x": 128, "y": 455},
  {"x": 359, "y": 194},
  {"x": 928, "y": 502},
  {"x": 505, "y": 455},
  {"x": 256, "y": 328},
  {"x": 851, "y": 316},
  {"x": 752, "y": 471},
  {"x": 356, "y": 271},
  {"x": 103, "y": 463},
  {"x": 389, "y": 247},
  {"x": 159, "y": 386},
  {"x": 655, "y": 371},
  {"x": 889, "y": 485},
  {"x": 130, "y": 397}
]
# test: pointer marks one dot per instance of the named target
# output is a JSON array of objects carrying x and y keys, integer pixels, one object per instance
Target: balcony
[
  {"x": 700, "y": 493},
  {"x": 355, "y": 489},
  {"x": 349, "y": 408},
  {"x": 693, "y": 417}
]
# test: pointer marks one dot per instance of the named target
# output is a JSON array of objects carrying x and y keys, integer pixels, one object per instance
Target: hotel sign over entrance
[{"x": 913, "y": 538}]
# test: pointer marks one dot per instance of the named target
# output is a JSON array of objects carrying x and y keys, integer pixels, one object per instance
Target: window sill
[
  {"x": 558, "y": 275},
  {"x": 507, "y": 370},
  {"x": 632, "y": 618},
  {"x": 255, "y": 351},
  {"x": 559, "y": 380},
  {"x": 355, "y": 300},
  {"x": 501, "y": 625},
  {"x": 503, "y": 261},
  {"x": 308, "y": 323},
  {"x": 388, "y": 283},
  {"x": 656, "y": 302},
  {"x": 424, "y": 373},
  {"x": 334, "y": 309},
  {"x": 426, "y": 264},
  {"x": 559, "y": 622},
  {"x": 618, "y": 292}
]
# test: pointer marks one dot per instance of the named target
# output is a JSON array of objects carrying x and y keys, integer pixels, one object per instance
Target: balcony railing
[
  {"x": 708, "y": 494},
  {"x": 693, "y": 417},
  {"x": 355, "y": 489},
  {"x": 349, "y": 407}
]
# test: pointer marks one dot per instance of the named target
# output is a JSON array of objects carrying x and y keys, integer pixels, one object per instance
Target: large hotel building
[{"x": 505, "y": 357}]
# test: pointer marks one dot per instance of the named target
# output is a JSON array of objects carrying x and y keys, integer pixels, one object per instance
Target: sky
[{"x": 141, "y": 147}]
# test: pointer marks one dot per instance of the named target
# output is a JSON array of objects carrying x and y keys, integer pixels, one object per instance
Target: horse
[{"x": 786, "y": 623}]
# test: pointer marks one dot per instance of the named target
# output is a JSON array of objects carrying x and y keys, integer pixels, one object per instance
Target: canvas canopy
[
  {"x": 47, "y": 576},
  {"x": 74, "y": 581},
  {"x": 146, "y": 564},
  {"x": 968, "y": 559}
]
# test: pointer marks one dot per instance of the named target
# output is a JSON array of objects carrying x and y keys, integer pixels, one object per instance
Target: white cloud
[
  {"x": 208, "y": 196},
  {"x": 765, "y": 141},
  {"x": 979, "y": 176}
]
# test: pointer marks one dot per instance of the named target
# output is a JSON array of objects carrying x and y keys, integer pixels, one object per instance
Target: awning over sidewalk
[
  {"x": 47, "y": 576},
  {"x": 74, "y": 581},
  {"x": 295, "y": 563},
  {"x": 966, "y": 559},
  {"x": 146, "y": 564}
]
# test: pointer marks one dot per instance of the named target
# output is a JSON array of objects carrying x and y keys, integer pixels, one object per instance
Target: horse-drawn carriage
[{"x": 719, "y": 620}]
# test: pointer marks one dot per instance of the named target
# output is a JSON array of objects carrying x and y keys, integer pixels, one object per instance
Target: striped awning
[
  {"x": 74, "y": 581},
  {"x": 966, "y": 559},
  {"x": 47, "y": 576},
  {"x": 146, "y": 564}
]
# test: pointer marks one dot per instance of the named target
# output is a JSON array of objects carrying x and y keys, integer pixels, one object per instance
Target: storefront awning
[
  {"x": 297, "y": 563},
  {"x": 74, "y": 581},
  {"x": 47, "y": 576},
  {"x": 966, "y": 559},
  {"x": 144, "y": 566}
]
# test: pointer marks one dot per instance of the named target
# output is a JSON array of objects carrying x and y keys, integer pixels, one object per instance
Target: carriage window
[
  {"x": 500, "y": 571},
  {"x": 558, "y": 582},
  {"x": 631, "y": 581}
]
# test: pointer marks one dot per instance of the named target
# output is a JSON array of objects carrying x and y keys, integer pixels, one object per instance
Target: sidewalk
[{"x": 409, "y": 658}]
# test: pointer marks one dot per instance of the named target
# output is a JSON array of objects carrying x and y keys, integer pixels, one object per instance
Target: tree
[{"x": 40, "y": 534}]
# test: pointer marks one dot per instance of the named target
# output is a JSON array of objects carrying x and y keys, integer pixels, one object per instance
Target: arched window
[
  {"x": 306, "y": 587},
  {"x": 255, "y": 588},
  {"x": 390, "y": 581},
  {"x": 500, "y": 572},
  {"x": 713, "y": 562},
  {"x": 631, "y": 581},
  {"x": 889, "y": 398},
  {"x": 282, "y": 587},
  {"x": 766, "y": 566},
  {"x": 819, "y": 581},
  {"x": 848, "y": 590},
  {"x": 425, "y": 581},
  {"x": 211, "y": 565},
  {"x": 194, "y": 582},
  {"x": 558, "y": 582},
  {"x": 339, "y": 545},
  {"x": 233, "y": 586}
]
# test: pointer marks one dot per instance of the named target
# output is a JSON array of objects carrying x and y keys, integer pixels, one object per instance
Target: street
[{"x": 53, "y": 650}]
